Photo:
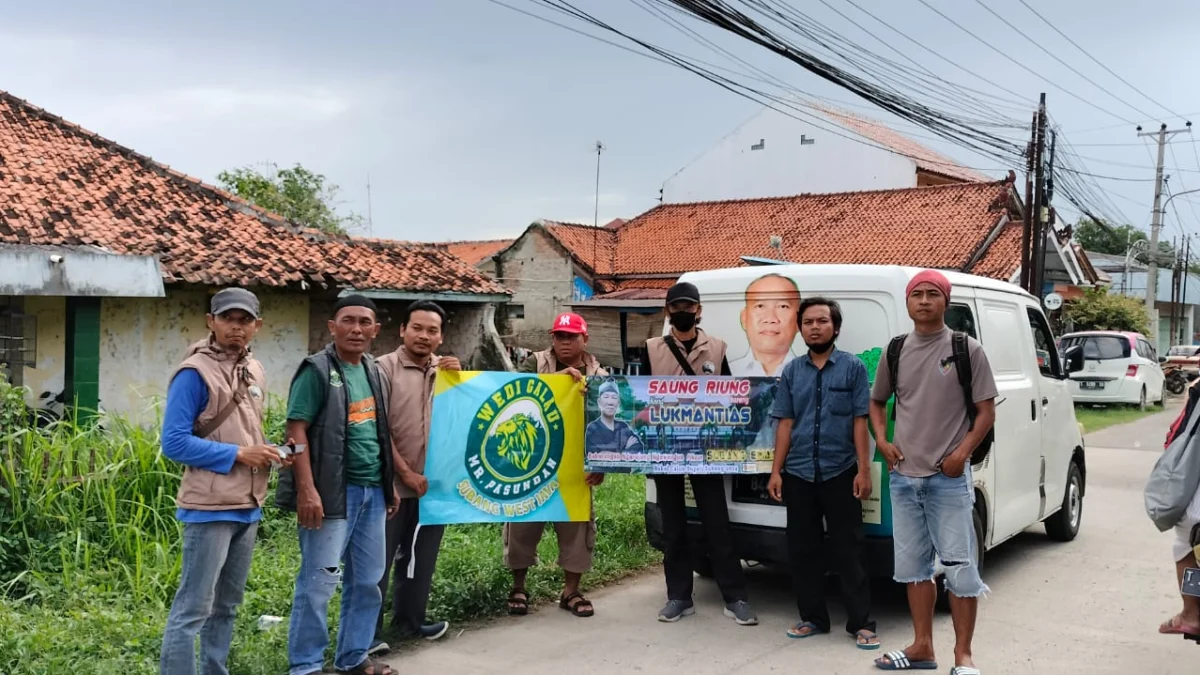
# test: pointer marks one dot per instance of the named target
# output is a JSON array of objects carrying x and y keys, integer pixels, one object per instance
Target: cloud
[{"x": 197, "y": 103}]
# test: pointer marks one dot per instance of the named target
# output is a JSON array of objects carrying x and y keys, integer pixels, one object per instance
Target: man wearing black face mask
[
  {"x": 687, "y": 350},
  {"x": 822, "y": 472}
]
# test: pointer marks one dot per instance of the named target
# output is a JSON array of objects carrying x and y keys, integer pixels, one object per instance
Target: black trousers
[
  {"x": 714, "y": 516},
  {"x": 815, "y": 510},
  {"x": 411, "y": 548}
]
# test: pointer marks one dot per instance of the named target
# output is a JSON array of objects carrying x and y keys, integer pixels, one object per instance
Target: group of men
[{"x": 352, "y": 470}]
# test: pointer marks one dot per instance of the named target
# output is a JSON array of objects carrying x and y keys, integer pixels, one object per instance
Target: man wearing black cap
[
  {"x": 689, "y": 351},
  {"x": 340, "y": 489},
  {"x": 213, "y": 426}
]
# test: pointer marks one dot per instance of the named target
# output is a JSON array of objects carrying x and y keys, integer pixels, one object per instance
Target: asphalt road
[{"x": 1089, "y": 606}]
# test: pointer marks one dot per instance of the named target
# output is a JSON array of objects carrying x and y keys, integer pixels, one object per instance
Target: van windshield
[{"x": 1099, "y": 347}]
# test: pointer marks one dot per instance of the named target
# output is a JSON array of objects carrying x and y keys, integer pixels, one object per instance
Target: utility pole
[
  {"x": 1187, "y": 267},
  {"x": 1045, "y": 216},
  {"x": 1027, "y": 225},
  {"x": 370, "y": 220},
  {"x": 1156, "y": 224},
  {"x": 1037, "y": 254},
  {"x": 1174, "y": 294}
]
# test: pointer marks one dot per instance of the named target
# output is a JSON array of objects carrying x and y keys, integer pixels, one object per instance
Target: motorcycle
[{"x": 1176, "y": 380}]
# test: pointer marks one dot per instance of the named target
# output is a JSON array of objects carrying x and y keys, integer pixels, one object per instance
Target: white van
[{"x": 1036, "y": 470}]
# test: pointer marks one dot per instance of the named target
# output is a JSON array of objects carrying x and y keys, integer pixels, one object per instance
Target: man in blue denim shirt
[{"x": 822, "y": 472}]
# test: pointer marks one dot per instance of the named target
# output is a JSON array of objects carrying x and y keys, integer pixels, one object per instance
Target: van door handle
[
  {"x": 1033, "y": 409},
  {"x": 1045, "y": 402}
]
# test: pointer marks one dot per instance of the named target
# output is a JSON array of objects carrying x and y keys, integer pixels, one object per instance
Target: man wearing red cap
[
  {"x": 932, "y": 493},
  {"x": 576, "y": 540}
]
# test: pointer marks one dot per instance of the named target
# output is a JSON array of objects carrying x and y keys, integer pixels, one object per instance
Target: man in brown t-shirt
[{"x": 932, "y": 493}]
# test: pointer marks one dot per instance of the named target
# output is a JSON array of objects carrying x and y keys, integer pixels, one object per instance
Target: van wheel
[
  {"x": 1064, "y": 525},
  {"x": 943, "y": 596}
]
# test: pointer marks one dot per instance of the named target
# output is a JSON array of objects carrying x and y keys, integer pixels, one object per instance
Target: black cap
[
  {"x": 683, "y": 291},
  {"x": 234, "y": 298}
]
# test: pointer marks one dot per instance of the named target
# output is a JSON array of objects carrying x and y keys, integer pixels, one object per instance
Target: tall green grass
[{"x": 90, "y": 551}]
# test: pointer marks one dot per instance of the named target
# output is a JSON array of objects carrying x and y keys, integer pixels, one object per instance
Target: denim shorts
[{"x": 931, "y": 523}]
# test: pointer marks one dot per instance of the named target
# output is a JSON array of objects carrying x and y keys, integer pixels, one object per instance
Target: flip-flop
[
  {"x": 866, "y": 635},
  {"x": 900, "y": 661},
  {"x": 1174, "y": 626},
  {"x": 965, "y": 670},
  {"x": 812, "y": 630}
]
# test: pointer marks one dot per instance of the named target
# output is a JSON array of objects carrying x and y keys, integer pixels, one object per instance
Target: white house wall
[
  {"x": 731, "y": 170},
  {"x": 51, "y": 314},
  {"x": 142, "y": 341}
]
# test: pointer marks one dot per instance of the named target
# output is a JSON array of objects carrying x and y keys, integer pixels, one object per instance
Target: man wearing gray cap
[{"x": 213, "y": 426}]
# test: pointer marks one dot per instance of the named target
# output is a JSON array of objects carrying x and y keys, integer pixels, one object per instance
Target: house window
[
  {"x": 516, "y": 311},
  {"x": 18, "y": 338}
]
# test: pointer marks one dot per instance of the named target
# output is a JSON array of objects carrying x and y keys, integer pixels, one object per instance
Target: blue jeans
[
  {"x": 216, "y": 562},
  {"x": 932, "y": 521},
  {"x": 356, "y": 543}
]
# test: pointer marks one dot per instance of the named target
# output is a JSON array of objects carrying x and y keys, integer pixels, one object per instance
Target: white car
[
  {"x": 1036, "y": 472},
  {"x": 1117, "y": 368}
]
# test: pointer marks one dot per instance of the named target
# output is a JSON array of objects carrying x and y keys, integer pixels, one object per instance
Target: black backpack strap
[
  {"x": 893, "y": 365},
  {"x": 678, "y": 354},
  {"x": 962, "y": 365}
]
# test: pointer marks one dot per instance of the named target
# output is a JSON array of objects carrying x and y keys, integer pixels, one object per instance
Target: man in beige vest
[
  {"x": 412, "y": 548},
  {"x": 689, "y": 351},
  {"x": 576, "y": 541},
  {"x": 213, "y": 426}
]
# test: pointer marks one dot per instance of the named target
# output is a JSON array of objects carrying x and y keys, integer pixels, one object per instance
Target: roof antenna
[{"x": 370, "y": 222}]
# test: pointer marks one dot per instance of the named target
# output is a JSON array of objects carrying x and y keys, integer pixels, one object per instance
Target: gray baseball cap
[{"x": 234, "y": 298}]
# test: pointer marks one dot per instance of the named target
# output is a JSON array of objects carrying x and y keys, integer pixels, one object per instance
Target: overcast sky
[{"x": 472, "y": 120}]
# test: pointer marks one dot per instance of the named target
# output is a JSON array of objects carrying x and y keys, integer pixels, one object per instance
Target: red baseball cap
[{"x": 568, "y": 322}]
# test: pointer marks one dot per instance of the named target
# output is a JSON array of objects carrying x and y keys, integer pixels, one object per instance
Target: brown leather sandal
[{"x": 581, "y": 608}]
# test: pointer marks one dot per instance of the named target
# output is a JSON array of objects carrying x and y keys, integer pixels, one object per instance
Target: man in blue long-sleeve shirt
[{"x": 213, "y": 426}]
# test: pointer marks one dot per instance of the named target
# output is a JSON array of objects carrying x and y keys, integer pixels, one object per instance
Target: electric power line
[{"x": 1097, "y": 61}]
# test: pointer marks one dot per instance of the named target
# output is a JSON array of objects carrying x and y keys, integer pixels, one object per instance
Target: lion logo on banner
[{"x": 518, "y": 438}]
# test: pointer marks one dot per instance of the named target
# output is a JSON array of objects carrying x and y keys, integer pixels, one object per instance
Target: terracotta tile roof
[
  {"x": 475, "y": 252},
  {"x": 63, "y": 185},
  {"x": 1003, "y": 257},
  {"x": 942, "y": 226},
  {"x": 926, "y": 158},
  {"x": 592, "y": 247}
]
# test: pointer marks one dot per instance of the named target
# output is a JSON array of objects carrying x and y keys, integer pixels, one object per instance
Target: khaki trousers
[{"x": 576, "y": 542}]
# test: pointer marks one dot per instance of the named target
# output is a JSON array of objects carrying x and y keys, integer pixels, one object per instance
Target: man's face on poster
[
  {"x": 610, "y": 403},
  {"x": 769, "y": 317}
]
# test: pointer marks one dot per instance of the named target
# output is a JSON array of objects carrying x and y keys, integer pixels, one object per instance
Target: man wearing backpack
[{"x": 944, "y": 411}]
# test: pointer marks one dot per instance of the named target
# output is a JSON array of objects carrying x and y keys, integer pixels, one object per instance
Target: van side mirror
[
  {"x": 1162, "y": 359},
  {"x": 1073, "y": 357}
]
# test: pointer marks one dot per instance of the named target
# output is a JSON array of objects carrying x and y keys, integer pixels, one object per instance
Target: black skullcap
[{"x": 354, "y": 301}]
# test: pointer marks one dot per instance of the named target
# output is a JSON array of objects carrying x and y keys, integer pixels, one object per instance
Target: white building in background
[{"x": 774, "y": 155}]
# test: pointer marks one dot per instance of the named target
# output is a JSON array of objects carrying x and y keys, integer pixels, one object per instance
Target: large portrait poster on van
[{"x": 679, "y": 425}]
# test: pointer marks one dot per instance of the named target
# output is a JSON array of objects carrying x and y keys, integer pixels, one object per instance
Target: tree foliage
[
  {"x": 299, "y": 195},
  {"x": 1101, "y": 310},
  {"x": 1101, "y": 237}
]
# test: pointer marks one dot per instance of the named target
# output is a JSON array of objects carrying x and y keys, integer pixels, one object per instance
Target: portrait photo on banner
[{"x": 679, "y": 425}]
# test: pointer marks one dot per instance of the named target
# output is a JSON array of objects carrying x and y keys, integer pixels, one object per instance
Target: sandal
[
  {"x": 370, "y": 667},
  {"x": 518, "y": 602},
  {"x": 866, "y": 639},
  {"x": 581, "y": 608},
  {"x": 900, "y": 661},
  {"x": 797, "y": 632},
  {"x": 1176, "y": 626}
]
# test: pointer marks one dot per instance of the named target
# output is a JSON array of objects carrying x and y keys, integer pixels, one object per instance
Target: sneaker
[
  {"x": 675, "y": 610},
  {"x": 739, "y": 611},
  {"x": 435, "y": 631},
  {"x": 378, "y": 647}
]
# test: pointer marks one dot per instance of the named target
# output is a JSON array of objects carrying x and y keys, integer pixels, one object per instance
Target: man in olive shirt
[{"x": 339, "y": 492}]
